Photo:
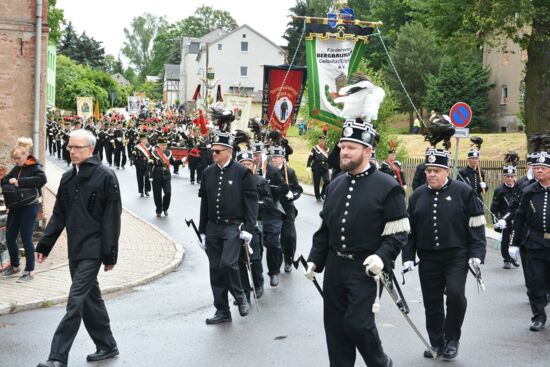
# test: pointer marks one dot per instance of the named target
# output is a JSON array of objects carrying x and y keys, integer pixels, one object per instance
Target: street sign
[
  {"x": 460, "y": 114},
  {"x": 461, "y": 132}
]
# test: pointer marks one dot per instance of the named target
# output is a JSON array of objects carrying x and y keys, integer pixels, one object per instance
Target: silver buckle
[{"x": 347, "y": 256}]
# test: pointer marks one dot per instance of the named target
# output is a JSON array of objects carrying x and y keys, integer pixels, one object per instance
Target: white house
[
  {"x": 171, "y": 84},
  {"x": 236, "y": 58}
]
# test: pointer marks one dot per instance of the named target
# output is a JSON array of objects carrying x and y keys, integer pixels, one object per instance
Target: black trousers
[
  {"x": 120, "y": 154},
  {"x": 272, "y": 242},
  {"x": 194, "y": 168},
  {"x": 84, "y": 304},
  {"x": 143, "y": 179},
  {"x": 505, "y": 244},
  {"x": 538, "y": 268},
  {"x": 129, "y": 150},
  {"x": 349, "y": 321},
  {"x": 223, "y": 247},
  {"x": 442, "y": 274},
  {"x": 176, "y": 164},
  {"x": 109, "y": 152},
  {"x": 51, "y": 145},
  {"x": 256, "y": 266},
  {"x": 162, "y": 184},
  {"x": 98, "y": 150},
  {"x": 58, "y": 148},
  {"x": 317, "y": 176},
  {"x": 288, "y": 236}
]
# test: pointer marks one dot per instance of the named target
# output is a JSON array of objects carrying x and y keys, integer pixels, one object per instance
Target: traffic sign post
[{"x": 461, "y": 115}]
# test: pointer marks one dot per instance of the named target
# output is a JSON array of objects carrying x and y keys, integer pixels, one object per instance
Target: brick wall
[{"x": 17, "y": 58}]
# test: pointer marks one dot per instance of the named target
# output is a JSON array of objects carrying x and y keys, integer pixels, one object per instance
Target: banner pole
[{"x": 455, "y": 167}]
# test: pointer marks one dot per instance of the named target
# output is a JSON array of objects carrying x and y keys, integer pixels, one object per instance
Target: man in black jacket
[
  {"x": 88, "y": 206},
  {"x": 473, "y": 175},
  {"x": 319, "y": 165},
  {"x": 448, "y": 234},
  {"x": 364, "y": 225},
  {"x": 142, "y": 159},
  {"x": 228, "y": 200}
]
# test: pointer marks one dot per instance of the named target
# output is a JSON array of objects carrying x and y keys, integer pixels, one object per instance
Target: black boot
[{"x": 451, "y": 349}]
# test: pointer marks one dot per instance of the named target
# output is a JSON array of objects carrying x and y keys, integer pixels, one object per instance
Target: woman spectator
[{"x": 27, "y": 173}]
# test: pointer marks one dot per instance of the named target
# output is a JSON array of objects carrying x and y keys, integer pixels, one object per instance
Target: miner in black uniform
[
  {"x": 272, "y": 226},
  {"x": 534, "y": 214},
  {"x": 364, "y": 226},
  {"x": 393, "y": 167},
  {"x": 194, "y": 157},
  {"x": 419, "y": 176},
  {"x": 109, "y": 143},
  {"x": 502, "y": 198},
  {"x": 229, "y": 200},
  {"x": 447, "y": 234},
  {"x": 265, "y": 209},
  {"x": 120, "y": 141},
  {"x": 318, "y": 162},
  {"x": 142, "y": 159},
  {"x": 287, "y": 176},
  {"x": 132, "y": 136},
  {"x": 472, "y": 172},
  {"x": 162, "y": 178},
  {"x": 58, "y": 138}
]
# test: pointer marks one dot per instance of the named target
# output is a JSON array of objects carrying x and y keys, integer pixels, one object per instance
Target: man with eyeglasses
[
  {"x": 229, "y": 200},
  {"x": 88, "y": 206}
]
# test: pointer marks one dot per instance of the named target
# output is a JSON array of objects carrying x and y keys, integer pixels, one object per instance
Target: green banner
[{"x": 332, "y": 55}]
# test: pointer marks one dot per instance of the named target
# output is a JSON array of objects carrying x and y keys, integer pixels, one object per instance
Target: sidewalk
[{"x": 142, "y": 247}]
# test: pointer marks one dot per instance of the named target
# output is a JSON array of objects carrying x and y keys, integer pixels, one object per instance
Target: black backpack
[{"x": 17, "y": 197}]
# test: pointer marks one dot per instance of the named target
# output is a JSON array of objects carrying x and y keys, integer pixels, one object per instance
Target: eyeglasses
[
  {"x": 75, "y": 147},
  {"x": 218, "y": 151}
]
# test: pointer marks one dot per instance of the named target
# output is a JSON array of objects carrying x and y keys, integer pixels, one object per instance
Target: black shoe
[
  {"x": 428, "y": 353},
  {"x": 147, "y": 194},
  {"x": 274, "y": 280},
  {"x": 515, "y": 263},
  {"x": 102, "y": 354},
  {"x": 507, "y": 265},
  {"x": 141, "y": 195},
  {"x": 159, "y": 214},
  {"x": 52, "y": 363},
  {"x": 218, "y": 319},
  {"x": 244, "y": 308},
  {"x": 166, "y": 213},
  {"x": 389, "y": 362},
  {"x": 451, "y": 349},
  {"x": 192, "y": 182},
  {"x": 288, "y": 268},
  {"x": 536, "y": 325},
  {"x": 235, "y": 303},
  {"x": 259, "y": 291}
]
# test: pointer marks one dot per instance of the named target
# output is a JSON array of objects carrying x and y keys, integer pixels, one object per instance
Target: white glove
[
  {"x": 310, "y": 272},
  {"x": 247, "y": 237},
  {"x": 405, "y": 187},
  {"x": 308, "y": 169},
  {"x": 408, "y": 265},
  {"x": 474, "y": 261},
  {"x": 290, "y": 195},
  {"x": 373, "y": 265},
  {"x": 501, "y": 224},
  {"x": 202, "y": 242},
  {"x": 513, "y": 251},
  {"x": 119, "y": 139},
  {"x": 483, "y": 185}
]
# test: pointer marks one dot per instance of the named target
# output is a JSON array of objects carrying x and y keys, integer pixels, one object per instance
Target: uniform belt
[
  {"x": 353, "y": 255},
  {"x": 345, "y": 256},
  {"x": 227, "y": 221}
]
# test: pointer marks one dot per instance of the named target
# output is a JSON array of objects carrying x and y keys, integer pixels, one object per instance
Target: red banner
[{"x": 281, "y": 103}]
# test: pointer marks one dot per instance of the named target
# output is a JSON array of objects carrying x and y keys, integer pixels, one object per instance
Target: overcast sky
[{"x": 105, "y": 20}]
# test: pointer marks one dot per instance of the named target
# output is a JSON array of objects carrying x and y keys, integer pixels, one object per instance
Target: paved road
[{"x": 163, "y": 323}]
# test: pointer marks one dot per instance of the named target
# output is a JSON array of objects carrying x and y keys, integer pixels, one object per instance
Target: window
[
  {"x": 244, "y": 71},
  {"x": 244, "y": 46},
  {"x": 220, "y": 46},
  {"x": 244, "y": 35},
  {"x": 504, "y": 95}
]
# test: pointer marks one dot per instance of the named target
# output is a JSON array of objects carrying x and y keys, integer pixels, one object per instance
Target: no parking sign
[{"x": 460, "y": 114}]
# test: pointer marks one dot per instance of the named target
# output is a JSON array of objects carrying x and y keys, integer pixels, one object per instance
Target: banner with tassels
[
  {"x": 282, "y": 95},
  {"x": 334, "y": 49}
]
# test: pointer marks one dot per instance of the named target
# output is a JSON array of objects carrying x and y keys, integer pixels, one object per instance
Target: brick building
[{"x": 17, "y": 63}]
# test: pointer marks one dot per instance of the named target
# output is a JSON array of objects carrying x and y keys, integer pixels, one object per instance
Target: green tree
[
  {"x": 295, "y": 28},
  {"x": 90, "y": 52},
  {"x": 168, "y": 42},
  {"x": 56, "y": 19},
  {"x": 415, "y": 55},
  {"x": 112, "y": 65},
  {"x": 68, "y": 45},
  {"x": 525, "y": 21},
  {"x": 138, "y": 46},
  {"x": 467, "y": 81}
]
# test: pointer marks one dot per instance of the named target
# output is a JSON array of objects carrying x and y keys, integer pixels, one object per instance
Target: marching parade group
[{"x": 247, "y": 193}]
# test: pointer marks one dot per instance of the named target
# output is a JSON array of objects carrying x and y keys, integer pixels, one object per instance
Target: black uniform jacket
[
  {"x": 318, "y": 159},
  {"x": 502, "y": 198},
  {"x": 277, "y": 177},
  {"x": 88, "y": 205},
  {"x": 534, "y": 214},
  {"x": 228, "y": 196},
  {"x": 267, "y": 209},
  {"x": 362, "y": 215},
  {"x": 471, "y": 177},
  {"x": 448, "y": 218}
]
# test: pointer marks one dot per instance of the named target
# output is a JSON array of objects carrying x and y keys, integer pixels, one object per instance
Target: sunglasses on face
[{"x": 217, "y": 151}]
